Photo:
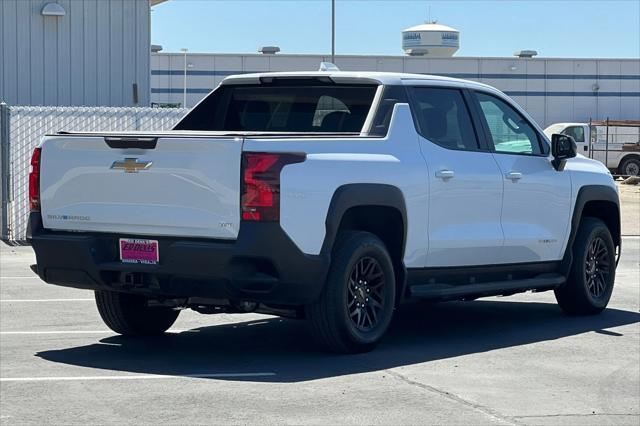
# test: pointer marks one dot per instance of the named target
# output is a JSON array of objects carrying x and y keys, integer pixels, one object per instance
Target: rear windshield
[{"x": 319, "y": 108}]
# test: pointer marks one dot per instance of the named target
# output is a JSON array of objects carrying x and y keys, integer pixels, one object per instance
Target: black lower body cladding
[{"x": 262, "y": 265}]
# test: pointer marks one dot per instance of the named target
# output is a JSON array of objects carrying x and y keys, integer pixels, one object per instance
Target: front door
[
  {"x": 465, "y": 184},
  {"x": 537, "y": 199}
]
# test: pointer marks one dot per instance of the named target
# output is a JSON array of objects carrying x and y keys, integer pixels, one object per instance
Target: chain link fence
[{"x": 22, "y": 129}]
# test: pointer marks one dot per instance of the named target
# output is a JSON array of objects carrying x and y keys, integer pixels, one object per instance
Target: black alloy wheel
[
  {"x": 597, "y": 267},
  {"x": 591, "y": 278},
  {"x": 366, "y": 298},
  {"x": 356, "y": 305}
]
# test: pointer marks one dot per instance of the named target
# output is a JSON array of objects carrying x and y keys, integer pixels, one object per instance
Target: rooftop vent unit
[
  {"x": 328, "y": 66},
  {"x": 53, "y": 9},
  {"x": 269, "y": 50},
  {"x": 155, "y": 48},
  {"x": 526, "y": 54}
]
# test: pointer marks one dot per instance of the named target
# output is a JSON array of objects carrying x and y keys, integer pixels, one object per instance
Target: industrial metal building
[
  {"x": 75, "y": 52},
  {"x": 97, "y": 53},
  {"x": 550, "y": 89}
]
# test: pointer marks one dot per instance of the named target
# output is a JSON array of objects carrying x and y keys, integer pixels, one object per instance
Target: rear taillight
[
  {"x": 34, "y": 181},
  {"x": 261, "y": 184}
]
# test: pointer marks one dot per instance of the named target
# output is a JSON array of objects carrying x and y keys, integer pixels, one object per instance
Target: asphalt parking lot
[{"x": 513, "y": 360}]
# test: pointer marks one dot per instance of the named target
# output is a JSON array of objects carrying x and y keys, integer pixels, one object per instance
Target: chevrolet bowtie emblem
[{"x": 131, "y": 165}]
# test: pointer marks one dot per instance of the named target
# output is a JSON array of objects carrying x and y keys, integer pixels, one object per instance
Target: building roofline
[{"x": 322, "y": 55}]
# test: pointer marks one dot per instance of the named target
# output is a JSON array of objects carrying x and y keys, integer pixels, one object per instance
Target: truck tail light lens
[
  {"x": 34, "y": 181},
  {"x": 261, "y": 184}
]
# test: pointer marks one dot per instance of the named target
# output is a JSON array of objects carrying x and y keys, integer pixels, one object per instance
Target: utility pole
[
  {"x": 184, "y": 82},
  {"x": 333, "y": 31}
]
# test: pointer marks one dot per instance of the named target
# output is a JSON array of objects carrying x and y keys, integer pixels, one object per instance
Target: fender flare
[
  {"x": 586, "y": 194},
  {"x": 361, "y": 194}
]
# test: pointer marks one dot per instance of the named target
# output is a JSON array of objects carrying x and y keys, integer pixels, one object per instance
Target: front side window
[
  {"x": 321, "y": 108},
  {"x": 576, "y": 132},
  {"x": 509, "y": 131},
  {"x": 443, "y": 118}
]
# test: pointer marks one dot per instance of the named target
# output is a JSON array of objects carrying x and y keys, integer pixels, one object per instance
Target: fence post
[
  {"x": 5, "y": 169},
  {"x": 606, "y": 147}
]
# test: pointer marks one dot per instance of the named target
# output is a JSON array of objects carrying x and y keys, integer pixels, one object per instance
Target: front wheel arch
[{"x": 595, "y": 201}]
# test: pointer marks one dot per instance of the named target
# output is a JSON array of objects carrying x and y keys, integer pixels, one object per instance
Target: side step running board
[{"x": 495, "y": 288}]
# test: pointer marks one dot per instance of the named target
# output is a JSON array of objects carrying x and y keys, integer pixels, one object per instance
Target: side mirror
[{"x": 563, "y": 147}]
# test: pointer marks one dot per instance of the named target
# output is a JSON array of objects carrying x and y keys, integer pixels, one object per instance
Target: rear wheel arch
[{"x": 376, "y": 208}]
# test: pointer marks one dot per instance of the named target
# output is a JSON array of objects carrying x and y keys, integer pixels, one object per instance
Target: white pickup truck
[
  {"x": 331, "y": 196},
  {"x": 615, "y": 143}
]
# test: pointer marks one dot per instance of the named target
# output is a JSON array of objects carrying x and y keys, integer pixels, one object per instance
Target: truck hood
[{"x": 583, "y": 164}]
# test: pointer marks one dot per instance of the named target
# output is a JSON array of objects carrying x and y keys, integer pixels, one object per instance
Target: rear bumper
[{"x": 262, "y": 265}]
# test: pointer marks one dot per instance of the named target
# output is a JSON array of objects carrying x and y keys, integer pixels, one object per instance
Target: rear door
[
  {"x": 465, "y": 183},
  {"x": 172, "y": 185},
  {"x": 537, "y": 198}
]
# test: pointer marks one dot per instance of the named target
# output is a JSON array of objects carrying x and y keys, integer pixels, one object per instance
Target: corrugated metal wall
[
  {"x": 550, "y": 89},
  {"x": 90, "y": 56}
]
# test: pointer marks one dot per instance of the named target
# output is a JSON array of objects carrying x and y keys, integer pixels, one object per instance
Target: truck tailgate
[{"x": 184, "y": 186}]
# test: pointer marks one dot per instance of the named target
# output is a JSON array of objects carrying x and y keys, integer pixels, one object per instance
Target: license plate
[{"x": 133, "y": 250}]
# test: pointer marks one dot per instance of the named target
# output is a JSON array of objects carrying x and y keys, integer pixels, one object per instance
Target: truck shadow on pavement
[{"x": 419, "y": 333}]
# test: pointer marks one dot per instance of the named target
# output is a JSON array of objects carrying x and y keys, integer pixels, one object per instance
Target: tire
[
  {"x": 128, "y": 314},
  {"x": 630, "y": 167},
  {"x": 355, "y": 307},
  {"x": 590, "y": 282}
]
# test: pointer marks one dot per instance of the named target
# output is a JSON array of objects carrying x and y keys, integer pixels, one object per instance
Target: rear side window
[
  {"x": 322, "y": 108},
  {"x": 443, "y": 118},
  {"x": 391, "y": 96}
]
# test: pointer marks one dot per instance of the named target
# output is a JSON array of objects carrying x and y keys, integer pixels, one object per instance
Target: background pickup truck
[
  {"x": 330, "y": 196},
  {"x": 614, "y": 143}
]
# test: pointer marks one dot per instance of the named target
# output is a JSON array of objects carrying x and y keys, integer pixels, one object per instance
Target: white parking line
[
  {"x": 45, "y": 300},
  {"x": 22, "y": 277},
  {"x": 9, "y": 333},
  {"x": 5, "y": 333},
  {"x": 140, "y": 377}
]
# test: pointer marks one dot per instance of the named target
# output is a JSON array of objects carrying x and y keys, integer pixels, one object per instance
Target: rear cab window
[{"x": 297, "y": 106}]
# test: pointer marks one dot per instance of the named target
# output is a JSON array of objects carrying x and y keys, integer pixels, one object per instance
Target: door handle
[
  {"x": 514, "y": 175},
  {"x": 445, "y": 174}
]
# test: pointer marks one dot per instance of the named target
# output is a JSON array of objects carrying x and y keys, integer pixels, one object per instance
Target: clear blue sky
[{"x": 604, "y": 28}]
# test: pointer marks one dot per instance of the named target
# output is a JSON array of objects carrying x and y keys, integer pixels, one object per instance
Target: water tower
[{"x": 431, "y": 39}]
